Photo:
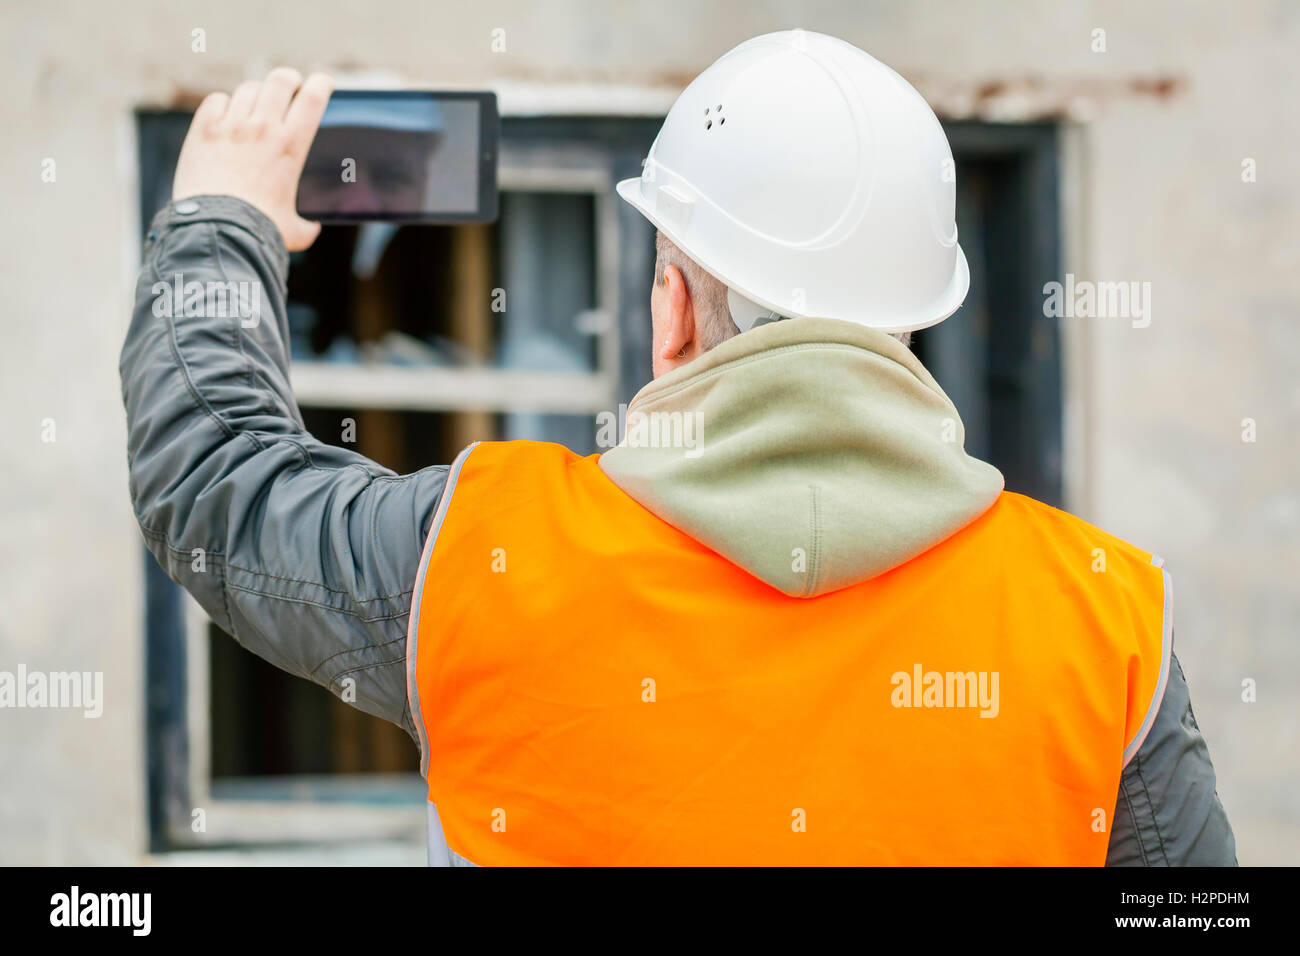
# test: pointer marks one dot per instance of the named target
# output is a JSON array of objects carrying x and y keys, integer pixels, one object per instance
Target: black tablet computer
[{"x": 416, "y": 156}]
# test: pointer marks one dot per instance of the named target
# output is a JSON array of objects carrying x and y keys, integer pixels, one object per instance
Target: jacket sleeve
[
  {"x": 1168, "y": 812},
  {"x": 305, "y": 552}
]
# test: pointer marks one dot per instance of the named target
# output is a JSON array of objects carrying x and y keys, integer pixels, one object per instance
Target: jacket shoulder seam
[{"x": 1155, "y": 820}]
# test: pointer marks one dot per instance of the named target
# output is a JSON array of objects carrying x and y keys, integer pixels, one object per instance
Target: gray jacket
[{"x": 310, "y": 551}]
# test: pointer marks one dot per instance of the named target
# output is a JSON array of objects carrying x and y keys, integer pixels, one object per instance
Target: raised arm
[{"x": 305, "y": 552}]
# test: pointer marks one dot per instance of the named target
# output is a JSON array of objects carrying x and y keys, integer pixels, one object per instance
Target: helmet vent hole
[{"x": 709, "y": 125}]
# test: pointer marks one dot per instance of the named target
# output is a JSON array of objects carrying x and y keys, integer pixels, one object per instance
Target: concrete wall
[{"x": 1159, "y": 126}]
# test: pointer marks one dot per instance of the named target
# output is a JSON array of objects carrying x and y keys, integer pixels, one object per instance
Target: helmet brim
[{"x": 941, "y": 308}]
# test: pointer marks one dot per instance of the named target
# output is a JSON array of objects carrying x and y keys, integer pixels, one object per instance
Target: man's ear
[{"x": 680, "y": 315}]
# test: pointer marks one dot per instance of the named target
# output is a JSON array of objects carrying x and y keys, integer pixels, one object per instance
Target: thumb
[{"x": 299, "y": 233}]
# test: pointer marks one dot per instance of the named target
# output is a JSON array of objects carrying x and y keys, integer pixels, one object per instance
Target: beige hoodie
[{"x": 813, "y": 453}]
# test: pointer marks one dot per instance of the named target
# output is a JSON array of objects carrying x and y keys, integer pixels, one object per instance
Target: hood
[{"x": 813, "y": 453}]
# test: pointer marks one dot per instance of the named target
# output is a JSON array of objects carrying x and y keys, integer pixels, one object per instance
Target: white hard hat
[{"x": 812, "y": 180}]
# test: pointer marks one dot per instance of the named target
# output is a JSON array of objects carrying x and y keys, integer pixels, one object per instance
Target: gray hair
[{"x": 713, "y": 322}]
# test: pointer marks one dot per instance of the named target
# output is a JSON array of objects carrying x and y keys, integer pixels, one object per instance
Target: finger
[
  {"x": 210, "y": 111},
  {"x": 303, "y": 118},
  {"x": 273, "y": 99},
  {"x": 241, "y": 104}
]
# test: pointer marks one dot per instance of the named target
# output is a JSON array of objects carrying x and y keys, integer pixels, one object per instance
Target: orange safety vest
[{"x": 593, "y": 686}]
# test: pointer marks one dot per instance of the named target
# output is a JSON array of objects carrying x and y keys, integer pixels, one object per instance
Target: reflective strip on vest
[{"x": 593, "y": 686}]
